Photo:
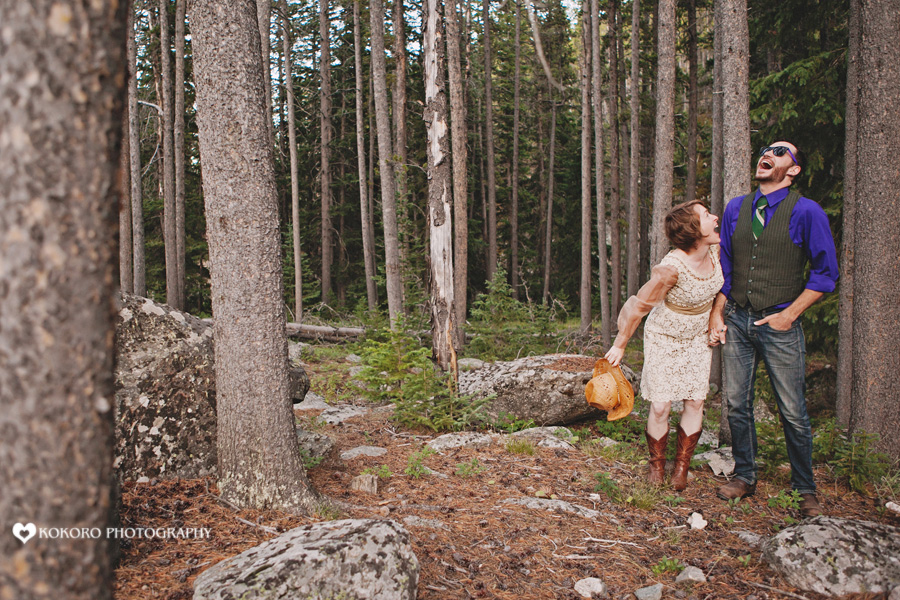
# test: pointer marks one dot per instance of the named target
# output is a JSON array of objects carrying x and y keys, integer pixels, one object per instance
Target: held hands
[
  {"x": 717, "y": 330},
  {"x": 615, "y": 355}
]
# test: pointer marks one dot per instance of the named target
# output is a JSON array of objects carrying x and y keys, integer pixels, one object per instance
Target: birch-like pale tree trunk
[
  {"x": 287, "y": 44},
  {"x": 584, "y": 72},
  {"x": 167, "y": 120},
  {"x": 62, "y": 91},
  {"x": 665, "y": 129},
  {"x": 634, "y": 225},
  {"x": 597, "y": 102},
  {"x": 459, "y": 152},
  {"x": 123, "y": 179},
  {"x": 367, "y": 233},
  {"x": 386, "y": 164},
  {"x": 440, "y": 194},
  {"x": 134, "y": 148},
  {"x": 178, "y": 149}
]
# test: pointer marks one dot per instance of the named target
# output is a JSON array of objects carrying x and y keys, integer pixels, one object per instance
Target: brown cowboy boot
[
  {"x": 657, "y": 460},
  {"x": 684, "y": 450}
]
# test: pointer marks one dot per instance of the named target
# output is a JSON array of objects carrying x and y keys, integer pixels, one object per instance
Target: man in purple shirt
[{"x": 767, "y": 239}]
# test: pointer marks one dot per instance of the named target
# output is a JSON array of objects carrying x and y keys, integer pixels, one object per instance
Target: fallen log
[{"x": 324, "y": 332}]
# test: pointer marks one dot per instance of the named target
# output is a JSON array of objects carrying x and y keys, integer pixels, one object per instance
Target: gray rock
[
  {"x": 653, "y": 592},
  {"x": 295, "y": 351},
  {"x": 355, "y": 370},
  {"x": 352, "y": 559},
  {"x": 692, "y": 574},
  {"x": 752, "y": 539},
  {"x": 353, "y": 358},
  {"x": 363, "y": 451},
  {"x": 316, "y": 445},
  {"x": 367, "y": 482},
  {"x": 542, "y": 434},
  {"x": 338, "y": 414},
  {"x": 719, "y": 461},
  {"x": 895, "y": 594},
  {"x": 469, "y": 364},
  {"x": 590, "y": 587},
  {"x": 414, "y": 521},
  {"x": 467, "y": 439},
  {"x": 530, "y": 388},
  {"x": 835, "y": 557},
  {"x": 550, "y": 505},
  {"x": 312, "y": 401}
]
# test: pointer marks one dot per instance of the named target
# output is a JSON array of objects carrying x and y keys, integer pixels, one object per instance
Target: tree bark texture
[
  {"x": 458, "y": 134},
  {"x": 259, "y": 459},
  {"x": 615, "y": 245},
  {"x": 716, "y": 184},
  {"x": 123, "y": 181},
  {"x": 736, "y": 99},
  {"x": 385, "y": 164},
  {"x": 514, "y": 196},
  {"x": 178, "y": 138},
  {"x": 400, "y": 117},
  {"x": 325, "y": 148},
  {"x": 368, "y": 236},
  {"x": 584, "y": 68},
  {"x": 690, "y": 186},
  {"x": 167, "y": 120},
  {"x": 548, "y": 233},
  {"x": 287, "y": 44},
  {"x": 633, "y": 251},
  {"x": 134, "y": 149},
  {"x": 597, "y": 102},
  {"x": 62, "y": 94},
  {"x": 876, "y": 274},
  {"x": 665, "y": 130},
  {"x": 264, "y": 22},
  {"x": 440, "y": 194},
  {"x": 493, "y": 250}
]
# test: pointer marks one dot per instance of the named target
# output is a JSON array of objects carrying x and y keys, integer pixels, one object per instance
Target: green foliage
[
  {"x": 622, "y": 430},
  {"x": 607, "y": 485},
  {"x": 667, "y": 565},
  {"x": 415, "y": 464},
  {"x": 397, "y": 368},
  {"x": 510, "y": 424},
  {"x": 745, "y": 560},
  {"x": 771, "y": 447},
  {"x": 505, "y": 328},
  {"x": 786, "y": 500},
  {"x": 310, "y": 462},
  {"x": 673, "y": 500},
  {"x": 820, "y": 325},
  {"x": 383, "y": 472},
  {"x": 851, "y": 458},
  {"x": 520, "y": 445},
  {"x": 644, "y": 495},
  {"x": 470, "y": 469},
  {"x": 888, "y": 487}
]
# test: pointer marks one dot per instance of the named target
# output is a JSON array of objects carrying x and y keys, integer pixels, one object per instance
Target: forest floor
[{"x": 470, "y": 544}]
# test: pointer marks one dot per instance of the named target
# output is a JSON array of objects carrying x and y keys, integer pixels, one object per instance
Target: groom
[{"x": 768, "y": 237}]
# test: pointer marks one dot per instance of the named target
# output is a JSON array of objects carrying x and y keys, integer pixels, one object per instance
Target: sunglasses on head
[{"x": 778, "y": 151}]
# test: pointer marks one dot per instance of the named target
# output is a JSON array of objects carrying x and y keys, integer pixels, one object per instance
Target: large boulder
[
  {"x": 548, "y": 390},
  {"x": 835, "y": 557},
  {"x": 353, "y": 559},
  {"x": 166, "y": 392}
]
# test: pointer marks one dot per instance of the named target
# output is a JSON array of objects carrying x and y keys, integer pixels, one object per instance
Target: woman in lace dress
[{"x": 677, "y": 339}]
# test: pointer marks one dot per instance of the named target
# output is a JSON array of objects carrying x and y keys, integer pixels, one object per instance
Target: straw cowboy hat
[{"x": 609, "y": 390}]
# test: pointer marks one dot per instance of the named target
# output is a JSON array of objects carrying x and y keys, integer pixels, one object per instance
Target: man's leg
[
  {"x": 784, "y": 353},
  {"x": 739, "y": 363}
]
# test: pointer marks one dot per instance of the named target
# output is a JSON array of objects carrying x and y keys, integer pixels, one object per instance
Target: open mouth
[{"x": 766, "y": 163}]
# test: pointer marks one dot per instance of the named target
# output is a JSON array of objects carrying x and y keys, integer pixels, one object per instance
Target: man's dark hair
[{"x": 800, "y": 155}]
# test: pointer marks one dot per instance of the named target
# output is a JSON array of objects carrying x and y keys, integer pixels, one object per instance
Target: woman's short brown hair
[{"x": 683, "y": 225}]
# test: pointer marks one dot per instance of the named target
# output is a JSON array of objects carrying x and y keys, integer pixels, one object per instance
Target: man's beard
[{"x": 775, "y": 174}]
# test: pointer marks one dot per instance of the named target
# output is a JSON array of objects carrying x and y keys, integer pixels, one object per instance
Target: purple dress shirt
[{"x": 808, "y": 228}]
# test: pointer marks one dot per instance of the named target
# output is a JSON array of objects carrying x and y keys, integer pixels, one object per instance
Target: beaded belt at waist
[{"x": 695, "y": 310}]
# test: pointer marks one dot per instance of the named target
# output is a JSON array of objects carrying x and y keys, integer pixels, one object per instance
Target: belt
[{"x": 695, "y": 310}]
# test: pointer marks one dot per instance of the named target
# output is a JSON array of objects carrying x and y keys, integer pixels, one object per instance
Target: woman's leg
[
  {"x": 688, "y": 436},
  {"x": 658, "y": 420},
  {"x": 692, "y": 417}
]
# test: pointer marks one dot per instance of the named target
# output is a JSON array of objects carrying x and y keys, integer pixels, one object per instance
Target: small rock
[
  {"x": 354, "y": 358},
  {"x": 338, "y": 414},
  {"x": 469, "y": 364},
  {"x": 696, "y": 521},
  {"x": 653, "y": 592},
  {"x": 895, "y": 594},
  {"x": 312, "y": 401},
  {"x": 414, "y": 521},
  {"x": 680, "y": 594},
  {"x": 558, "y": 506},
  {"x": 143, "y": 479},
  {"x": 366, "y": 482},
  {"x": 363, "y": 451},
  {"x": 691, "y": 574},
  {"x": 720, "y": 461},
  {"x": 709, "y": 437},
  {"x": 590, "y": 588},
  {"x": 467, "y": 439},
  {"x": 355, "y": 370},
  {"x": 751, "y": 538}
]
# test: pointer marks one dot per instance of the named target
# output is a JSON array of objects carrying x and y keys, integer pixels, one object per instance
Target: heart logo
[{"x": 24, "y": 532}]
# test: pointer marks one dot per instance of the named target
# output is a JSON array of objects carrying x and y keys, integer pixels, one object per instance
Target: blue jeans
[{"x": 784, "y": 354}]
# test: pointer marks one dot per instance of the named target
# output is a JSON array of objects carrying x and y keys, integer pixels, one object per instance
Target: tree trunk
[
  {"x": 665, "y": 130},
  {"x": 489, "y": 143},
  {"x": 716, "y": 184},
  {"x": 61, "y": 124},
  {"x": 259, "y": 459},
  {"x": 367, "y": 234},
  {"x": 596, "y": 79},
  {"x": 460, "y": 171},
  {"x": 123, "y": 181},
  {"x": 514, "y": 198},
  {"x": 736, "y": 99},
  {"x": 264, "y": 22},
  {"x": 548, "y": 234},
  {"x": 633, "y": 252},
  {"x": 584, "y": 67},
  {"x": 385, "y": 164},
  {"x": 876, "y": 274},
  {"x": 178, "y": 138},
  {"x": 287, "y": 44},
  {"x": 440, "y": 196},
  {"x": 615, "y": 246},
  {"x": 325, "y": 148},
  {"x": 168, "y": 162},
  {"x": 690, "y": 186},
  {"x": 844, "y": 386},
  {"x": 400, "y": 117},
  {"x": 134, "y": 149}
]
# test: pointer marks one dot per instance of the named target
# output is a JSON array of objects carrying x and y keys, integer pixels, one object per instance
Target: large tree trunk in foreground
[
  {"x": 259, "y": 459},
  {"x": 440, "y": 196},
  {"x": 876, "y": 268},
  {"x": 61, "y": 123},
  {"x": 665, "y": 130}
]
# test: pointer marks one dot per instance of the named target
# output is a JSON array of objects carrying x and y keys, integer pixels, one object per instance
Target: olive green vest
[{"x": 768, "y": 270}]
